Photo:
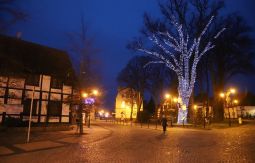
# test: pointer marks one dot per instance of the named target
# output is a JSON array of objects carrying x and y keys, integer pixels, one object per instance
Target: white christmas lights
[{"x": 178, "y": 54}]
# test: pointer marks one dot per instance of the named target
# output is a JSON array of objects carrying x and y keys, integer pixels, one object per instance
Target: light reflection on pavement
[{"x": 116, "y": 143}]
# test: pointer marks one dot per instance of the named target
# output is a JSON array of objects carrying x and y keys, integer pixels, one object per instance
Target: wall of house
[
  {"x": 237, "y": 111},
  {"x": 123, "y": 106},
  {"x": 14, "y": 92}
]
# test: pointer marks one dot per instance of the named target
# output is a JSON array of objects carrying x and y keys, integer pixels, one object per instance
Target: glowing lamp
[
  {"x": 167, "y": 96},
  {"x": 95, "y": 92},
  {"x": 84, "y": 95},
  {"x": 222, "y": 95},
  {"x": 236, "y": 101},
  {"x": 232, "y": 90}
]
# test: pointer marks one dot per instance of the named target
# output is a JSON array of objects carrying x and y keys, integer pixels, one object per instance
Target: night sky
[{"x": 112, "y": 23}]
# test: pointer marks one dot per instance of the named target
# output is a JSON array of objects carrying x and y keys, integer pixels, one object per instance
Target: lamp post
[
  {"x": 195, "y": 115},
  {"x": 167, "y": 97},
  {"x": 228, "y": 101},
  {"x": 89, "y": 100},
  {"x": 170, "y": 99}
]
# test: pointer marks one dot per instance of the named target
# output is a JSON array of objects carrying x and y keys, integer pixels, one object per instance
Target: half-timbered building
[{"x": 29, "y": 70}]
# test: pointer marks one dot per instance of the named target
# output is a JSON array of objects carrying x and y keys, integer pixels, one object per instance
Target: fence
[{"x": 155, "y": 123}]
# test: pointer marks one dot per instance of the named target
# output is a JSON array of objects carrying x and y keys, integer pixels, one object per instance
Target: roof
[{"x": 20, "y": 57}]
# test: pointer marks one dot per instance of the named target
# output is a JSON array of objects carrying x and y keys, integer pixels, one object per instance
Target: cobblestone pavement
[{"x": 107, "y": 142}]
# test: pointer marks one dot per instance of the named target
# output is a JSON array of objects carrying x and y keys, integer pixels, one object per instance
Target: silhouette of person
[{"x": 164, "y": 123}]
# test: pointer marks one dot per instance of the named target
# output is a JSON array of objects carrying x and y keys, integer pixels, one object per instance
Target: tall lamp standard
[
  {"x": 167, "y": 97},
  {"x": 228, "y": 101},
  {"x": 89, "y": 101},
  {"x": 171, "y": 99},
  {"x": 195, "y": 115}
]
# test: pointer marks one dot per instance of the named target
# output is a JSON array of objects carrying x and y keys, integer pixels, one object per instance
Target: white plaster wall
[
  {"x": 55, "y": 90},
  {"x": 67, "y": 89},
  {"x": 29, "y": 94},
  {"x": 55, "y": 97},
  {"x": 14, "y": 101},
  {"x": 46, "y": 83},
  {"x": 15, "y": 93},
  {"x": 16, "y": 83},
  {"x": 64, "y": 119},
  {"x": 45, "y": 96},
  {"x": 65, "y": 109},
  {"x": 43, "y": 119},
  {"x": 11, "y": 109},
  {"x": 44, "y": 107},
  {"x": 53, "y": 119},
  {"x": 3, "y": 81},
  {"x": 1, "y": 101}
]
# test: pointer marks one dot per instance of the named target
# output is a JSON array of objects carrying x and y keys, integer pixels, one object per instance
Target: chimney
[{"x": 18, "y": 35}]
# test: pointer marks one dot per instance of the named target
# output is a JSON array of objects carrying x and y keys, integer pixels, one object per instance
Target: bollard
[
  {"x": 3, "y": 117},
  {"x": 21, "y": 116},
  {"x": 204, "y": 121},
  {"x": 148, "y": 123},
  {"x": 156, "y": 125},
  {"x": 70, "y": 118},
  {"x": 240, "y": 120}
]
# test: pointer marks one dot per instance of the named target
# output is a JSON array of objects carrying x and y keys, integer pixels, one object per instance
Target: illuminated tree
[{"x": 179, "y": 53}]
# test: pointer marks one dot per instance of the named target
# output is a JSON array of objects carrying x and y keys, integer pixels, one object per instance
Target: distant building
[
  {"x": 240, "y": 111},
  {"x": 25, "y": 66},
  {"x": 126, "y": 104}
]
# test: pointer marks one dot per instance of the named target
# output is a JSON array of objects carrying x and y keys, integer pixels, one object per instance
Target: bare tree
[
  {"x": 134, "y": 76},
  {"x": 10, "y": 14},
  {"x": 84, "y": 51}
]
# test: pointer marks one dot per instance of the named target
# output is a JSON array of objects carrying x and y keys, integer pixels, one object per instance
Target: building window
[
  {"x": 27, "y": 105},
  {"x": 33, "y": 79},
  {"x": 54, "y": 108},
  {"x": 55, "y": 83}
]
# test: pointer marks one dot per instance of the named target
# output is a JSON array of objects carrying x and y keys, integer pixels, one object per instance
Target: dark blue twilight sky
[{"x": 112, "y": 23}]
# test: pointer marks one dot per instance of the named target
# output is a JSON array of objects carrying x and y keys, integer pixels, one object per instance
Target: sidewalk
[{"x": 15, "y": 142}]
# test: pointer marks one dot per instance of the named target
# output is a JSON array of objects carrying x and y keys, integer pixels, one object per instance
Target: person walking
[
  {"x": 164, "y": 123},
  {"x": 77, "y": 125}
]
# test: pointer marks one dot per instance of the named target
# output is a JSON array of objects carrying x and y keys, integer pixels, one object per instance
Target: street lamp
[
  {"x": 236, "y": 101},
  {"x": 84, "y": 95},
  {"x": 222, "y": 95},
  {"x": 232, "y": 90},
  {"x": 167, "y": 96},
  {"x": 195, "y": 115},
  {"x": 227, "y": 96},
  {"x": 166, "y": 102},
  {"x": 89, "y": 100},
  {"x": 95, "y": 92},
  {"x": 170, "y": 100}
]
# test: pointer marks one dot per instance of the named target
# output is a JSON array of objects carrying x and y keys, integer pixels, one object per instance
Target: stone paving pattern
[{"x": 108, "y": 142}]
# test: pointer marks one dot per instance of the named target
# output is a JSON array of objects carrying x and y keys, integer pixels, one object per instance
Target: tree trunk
[
  {"x": 183, "y": 104},
  {"x": 218, "y": 109},
  {"x": 183, "y": 111}
]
